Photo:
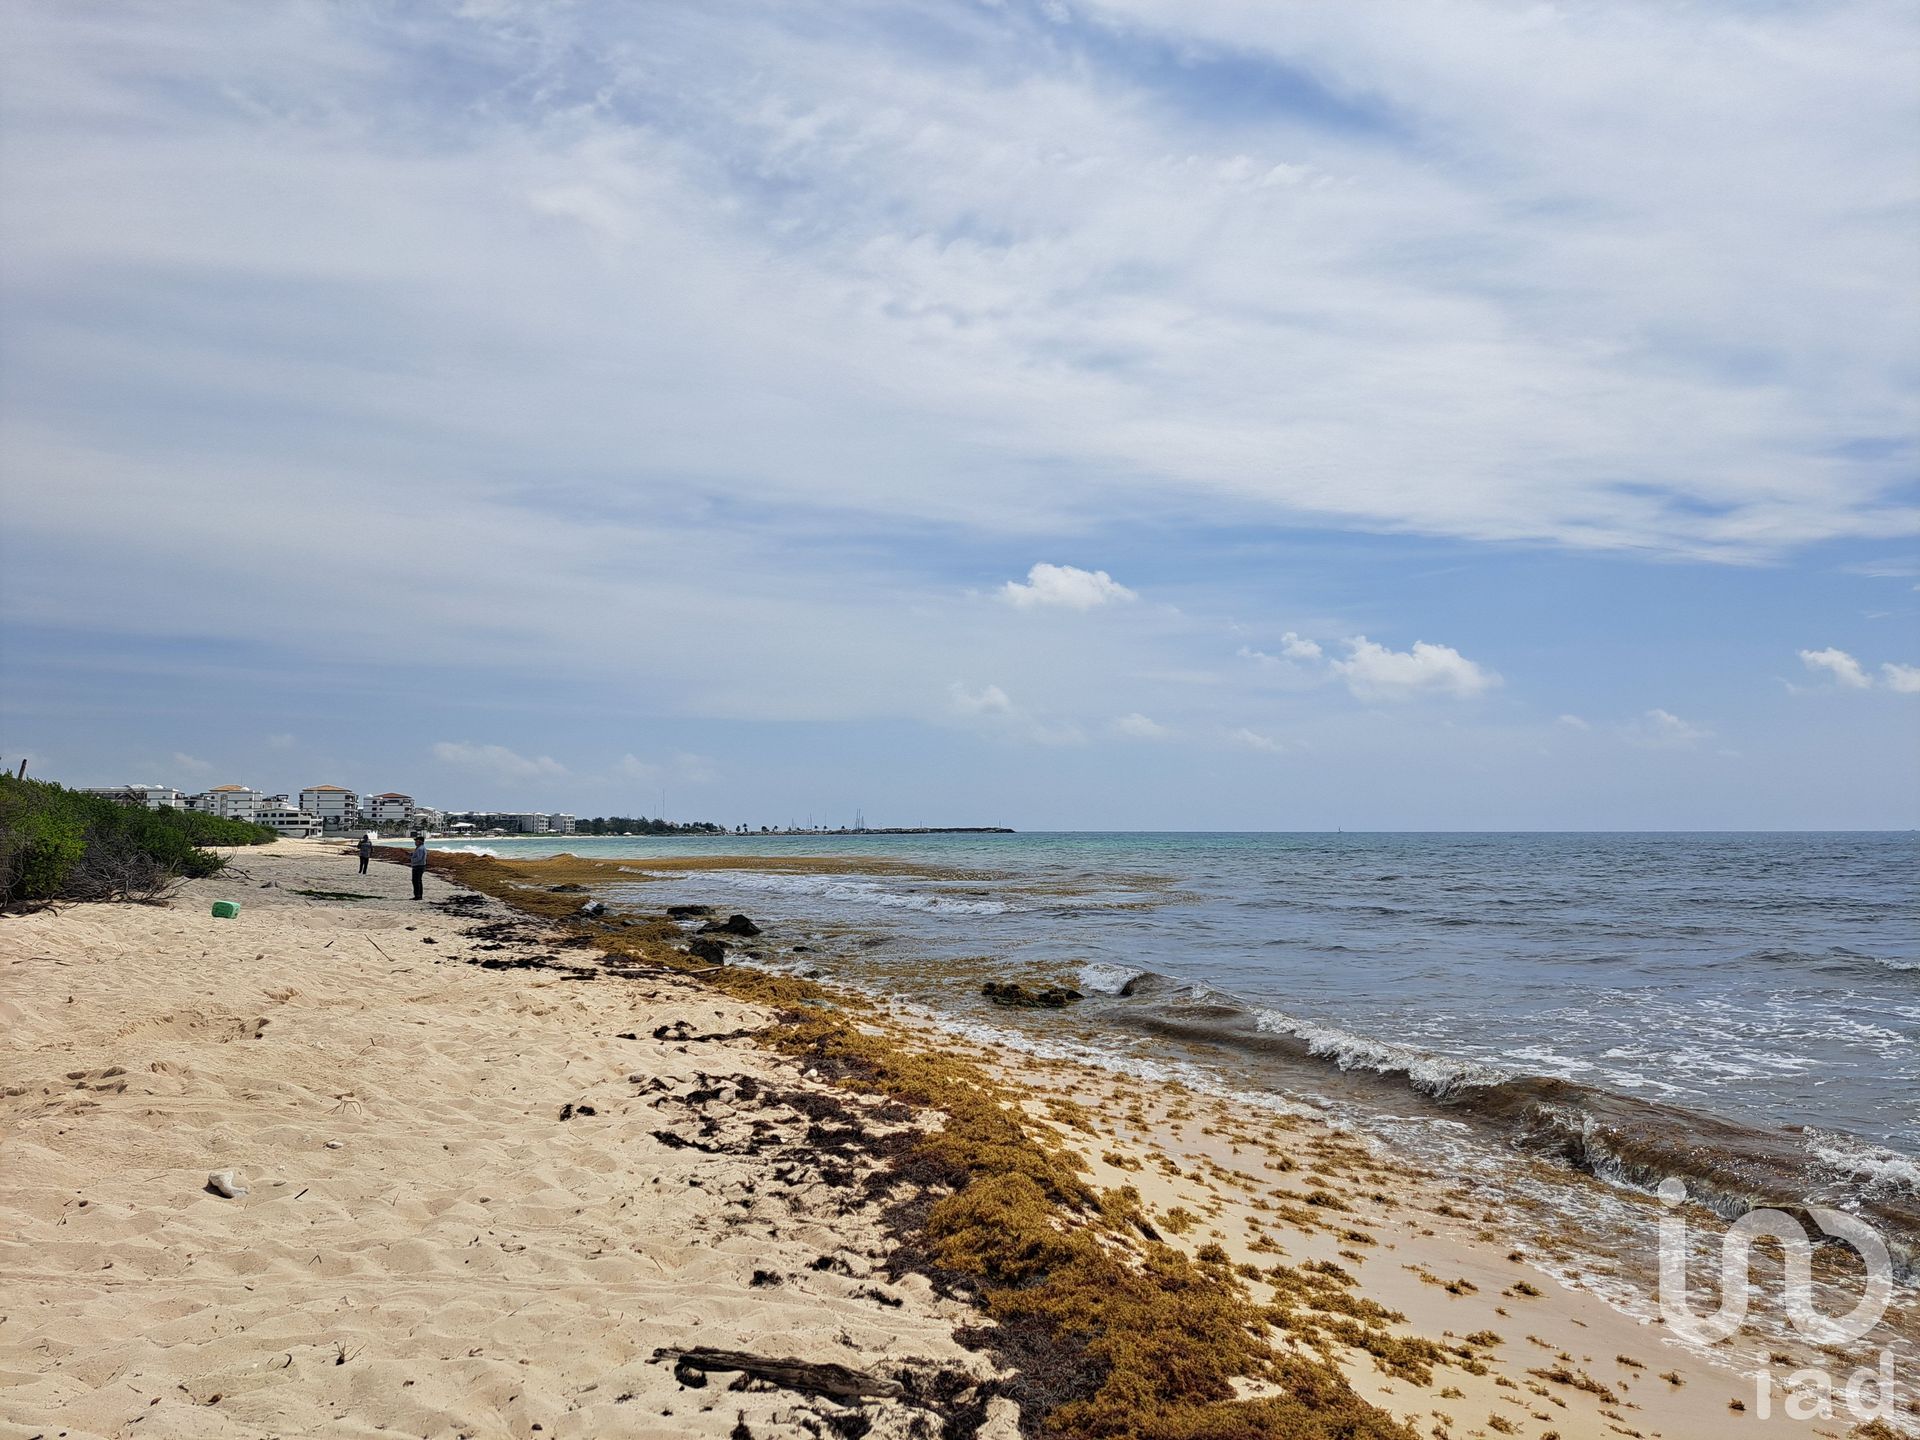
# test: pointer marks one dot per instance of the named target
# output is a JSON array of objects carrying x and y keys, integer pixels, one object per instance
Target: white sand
[{"x": 425, "y": 1248}]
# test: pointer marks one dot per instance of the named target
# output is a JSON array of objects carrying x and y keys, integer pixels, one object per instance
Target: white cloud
[
  {"x": 1254, "y": 740},
  {"x": 191, "y": 764},
  {"x": 1295, "y": 648},
  {"x": 1663, "y": 730},
  {"x": 993, "y": 709},
  {"x": 1574, "y": 722},
  {"x": 1138, "y": 727},
  {"x": 497, "y": 762},
  {"x": 1839, "y": 664},
  {"x": 1903, "y": 679},
  {"x": 991, "y": 700},
  {"x": 1373, "y": 672},
  {"x": 1066, "y": 586}
]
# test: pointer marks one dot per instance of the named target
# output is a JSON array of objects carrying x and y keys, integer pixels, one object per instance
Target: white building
[
  {"x": 229, "y": 802},
  {"x": 278, "y": 814},
  {"x": 154, "y": 797},
  {"x": 425, "y": 817},
  {"x": 560, "y": 824},
  {"x": 527, "y": 824},
  {"x": 391, "y": 808},
  {"x": 335, "y": 807}
]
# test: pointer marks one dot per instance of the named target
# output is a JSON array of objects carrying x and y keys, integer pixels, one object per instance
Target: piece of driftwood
[{"x": 837, "y": 1382}]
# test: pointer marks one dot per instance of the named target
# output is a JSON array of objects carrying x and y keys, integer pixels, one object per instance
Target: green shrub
[{"x": 61, "y": 844}]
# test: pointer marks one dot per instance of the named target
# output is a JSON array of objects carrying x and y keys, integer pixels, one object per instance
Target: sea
[{"x": 1740, "y": 1012}]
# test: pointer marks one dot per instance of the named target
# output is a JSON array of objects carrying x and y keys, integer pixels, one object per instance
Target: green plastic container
[{"x": 225, "y": 909}]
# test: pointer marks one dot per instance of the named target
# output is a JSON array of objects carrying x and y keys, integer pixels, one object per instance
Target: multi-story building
[
  {"x": 334, "y": 806},
  {"x": 560, "y": 824},
  {"x": 229, "y": 802},
  {"x": 526, "y": 823},
  {"x": 279, "y": 814},
  {"x": 390, "y": 808},
  {"x": 154, "y": 797},
  {"x": 425, "y": 817}
]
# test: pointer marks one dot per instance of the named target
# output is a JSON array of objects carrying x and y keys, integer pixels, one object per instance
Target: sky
[{"x": 1080, "y": 414}]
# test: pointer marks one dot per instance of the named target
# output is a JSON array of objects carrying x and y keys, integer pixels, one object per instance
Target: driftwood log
[{"x": 836, "y": 1382}]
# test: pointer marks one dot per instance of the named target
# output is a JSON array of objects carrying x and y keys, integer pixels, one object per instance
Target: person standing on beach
[
  {"x": 366, "y": 852},
  {"x": 419, "y": 865}
]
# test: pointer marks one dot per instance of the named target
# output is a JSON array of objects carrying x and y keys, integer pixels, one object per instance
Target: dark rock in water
[
  {"x": 1012, "y": 992},
  {"x": 732, "y": 925},
  {"x": 711, "y": 952},
  {"x": 687, "y": 912},
  {"x": 566, "y": 889},
  {"x": 593, "y": 907},
  {"x": 1127, "y": 989}
]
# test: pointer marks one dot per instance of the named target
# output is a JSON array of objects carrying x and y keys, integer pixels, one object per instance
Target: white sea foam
[
  {"x": 1101, "y": 978},
  {"x": 1425, "y": 1071},
  {"x": 1880, "y": 1167},
  {"x": 847, "y": 891},
  {"x": 467, "y": 850}
]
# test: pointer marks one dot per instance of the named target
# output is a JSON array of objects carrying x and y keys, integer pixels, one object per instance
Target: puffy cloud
[
  {"x": 1663, "y": 730},
  {"x": 1138, "y": 727},
  {"x": 1295, "y": 648},
  {"x": 1839, "y": 664},
  {"x": 1066, "y": 586},
  {"x": 1373, "y": 672},
  {"x": 1905, "y": 679},
  {"x": 1254, "y": 740},
  {"x": 497, "y": 761},
  {"x": 989, "y": 701}
]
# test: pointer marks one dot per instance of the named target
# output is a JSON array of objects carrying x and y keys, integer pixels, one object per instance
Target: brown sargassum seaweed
[{"x": 1100, "y": 1328}]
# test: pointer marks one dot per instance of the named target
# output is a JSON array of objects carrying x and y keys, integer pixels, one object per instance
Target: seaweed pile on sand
[{"x": 1102, "y": 1329}]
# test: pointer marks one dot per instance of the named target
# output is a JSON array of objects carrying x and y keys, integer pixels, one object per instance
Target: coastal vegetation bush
[
  {"x": 61, "y": 844},
  {"x": 629, "y": 825}
]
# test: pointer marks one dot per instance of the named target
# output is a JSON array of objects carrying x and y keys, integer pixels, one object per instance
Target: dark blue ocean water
[{"x": 1770, "y": 980}]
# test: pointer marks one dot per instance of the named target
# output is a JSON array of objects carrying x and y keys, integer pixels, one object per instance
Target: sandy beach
[{"x": 506, "y": 1175}]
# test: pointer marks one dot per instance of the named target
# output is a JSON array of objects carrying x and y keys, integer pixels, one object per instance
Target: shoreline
[{"x": 1259, "y": 1212}]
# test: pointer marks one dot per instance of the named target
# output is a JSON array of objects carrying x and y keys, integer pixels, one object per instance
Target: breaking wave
[{"x": 1728, "y": 1166}]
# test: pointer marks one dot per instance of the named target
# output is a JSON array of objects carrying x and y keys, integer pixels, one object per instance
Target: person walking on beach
[
  {"x": 366, "y": 851},
  {"x": 419, "y": 865}
]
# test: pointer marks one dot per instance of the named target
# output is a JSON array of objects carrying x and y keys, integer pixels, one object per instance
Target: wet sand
[{"x": 497, "y": 1182}]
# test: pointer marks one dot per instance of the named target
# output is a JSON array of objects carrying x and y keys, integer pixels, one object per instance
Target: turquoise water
[{"x": 1766, "y": 983}]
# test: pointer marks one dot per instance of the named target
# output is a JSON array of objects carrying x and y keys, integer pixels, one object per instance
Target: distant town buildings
[
  {"x": 334, "y": 806},
  {"x": 229, "y": 802},
  {"x": 277, "y": 813},
  {"x": 334, "y": 809},
  {"x": 154, "y": 797},
  {"x": 523, "y": 822},
  {"x": 390, "y": 808}
]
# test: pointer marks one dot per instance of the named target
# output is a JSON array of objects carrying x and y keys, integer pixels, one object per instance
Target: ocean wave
[
  {"x": 467, "y": 850},
  {"x": 1099, "y": 977},
  {"x": 1833, "y": 959},
  {"x": 1427, "y": 1072},
  {"x": 867, "y": 892},
  {"x": 1625, "y": 1140},
  {"x": 1879, "y": 1167}
]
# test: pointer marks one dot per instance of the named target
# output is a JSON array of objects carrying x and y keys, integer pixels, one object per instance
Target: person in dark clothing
[
  {"x": 366, "y": 852},
  {"x": 419, "y": 865}
]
